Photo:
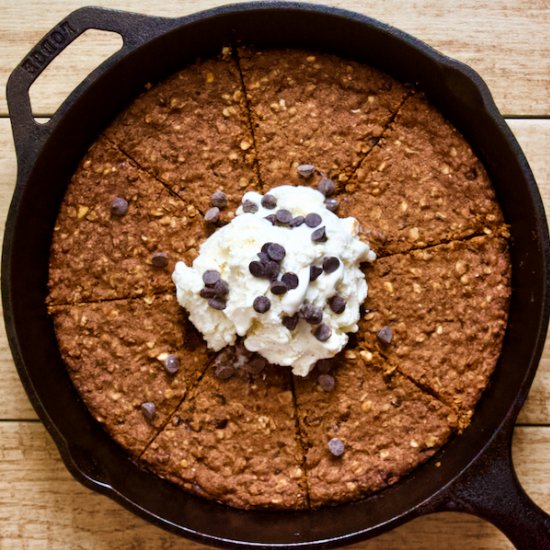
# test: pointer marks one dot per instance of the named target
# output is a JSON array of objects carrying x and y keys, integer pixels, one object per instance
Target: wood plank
[
  {"x": 42, "y": 506},
  {"x": 534, "y": 138},
  {"x": 504, "y": 40}
]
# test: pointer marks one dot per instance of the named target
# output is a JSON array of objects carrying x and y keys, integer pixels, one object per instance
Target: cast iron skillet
[{"x": 476, "y": 473}]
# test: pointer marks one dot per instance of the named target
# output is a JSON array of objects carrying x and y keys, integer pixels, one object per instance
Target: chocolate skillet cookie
[
  {"x": 119, "y": 232},
  {"x": 420, "y": 185},
  {"x": 363, "y": 429},
  {"x": 439, "y": 316},
  {"x": 132, "y": 361},
  {"x": 315, "y": 109},
  {"x": 234, "y": 438},
  {"x": 192, "y": 132},
  {"x": 169, "y": 173}
]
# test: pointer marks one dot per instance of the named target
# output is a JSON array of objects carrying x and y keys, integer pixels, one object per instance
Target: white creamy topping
[{"x": 234, "y": 246}]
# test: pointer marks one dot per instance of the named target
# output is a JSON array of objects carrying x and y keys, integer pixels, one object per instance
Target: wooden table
[{"x": 507, "y": 42}]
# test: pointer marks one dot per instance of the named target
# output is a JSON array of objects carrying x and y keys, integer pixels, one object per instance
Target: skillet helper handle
[
  {"x": 491, "y": 490},
  {"x": 135, "y": 29}
]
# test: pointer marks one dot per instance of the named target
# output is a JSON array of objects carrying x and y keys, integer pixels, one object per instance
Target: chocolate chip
[
  {"x": 283, "y": 216},
  {"x": 119, "y": 206},
  {"x": 336, "y": 446},
  {"x": 256, "y": 365},
  {"x": 331, "y": 264},
  {"x": 265, "y": 246},
  {"x": 271, "y": 218},
  {"x": 221, "y": 423},
  {"x": 297, "y": 221},
  {"x": 290, "y": 321},
  {"x": 176, "y": 421},
  {"x": 323, "y": 332},
  {"x": 223, "y": 371},
  {"x": 250, "y": 206},
  {"x": 278, "y": 287},
  {"x": 276, "y": 252},
  {"x": 271, "y": 270},
  {"x": 314, "y": 272},
  {"x": 218, "y": 199},
  {"x": 269, "y": 201},
  {"x": 217, "y": 303},
  {"x": 291, "y": 280},
  {"x": 261, "y": 304},
  {"x": 319, "y": 235},
  {"x": 326, "y": 186},
  {"x": 313, "y": 219},
  {"x": 212, "y": 215},
  {"x": 171, "y": 363},
  {"x": 471, "y": 174},
  {"x": 208, "y": 292},
  {"x": 337, "y": 304},
  {"x": 385, "y": 335},
  {"x": 324, "y": 365},
  {"x": 256, "y": 268},
  {"x": 210, "y": 277},
  {"x": 396, "y": 402},
  {"x": 332, "y": 204},
  {"x": 264, "y": 258},
  {"x": 312, "y": 314},
  {"x": 326, "y": 382},
  {"x": 149, "y": 410},
  {"x": 159, "y": 259},
  {"x": 306, "y": 170},
  {"x": 221, "y": 288}
]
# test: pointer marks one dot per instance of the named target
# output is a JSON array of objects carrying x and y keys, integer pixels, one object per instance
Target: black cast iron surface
[{"x": 476, "y": 473}]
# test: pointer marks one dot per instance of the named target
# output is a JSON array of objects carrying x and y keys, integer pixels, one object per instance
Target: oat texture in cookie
[
  {"x": 314, "y": 109},
  {"x": 421, "y": 185},
  {"x": 118, "y": 233},
  {"x": 131, "y": 362},
  {"x": 192, "y": 132},
  {"x": 234, "y": 438},
  {"x": 365, "y": 429},
  {"x": 439, "y": 315}
]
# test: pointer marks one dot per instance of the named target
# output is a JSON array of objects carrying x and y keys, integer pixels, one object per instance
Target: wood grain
[
  {"x": 42, "y": 506},
  {"x": 506, "y": 41}
]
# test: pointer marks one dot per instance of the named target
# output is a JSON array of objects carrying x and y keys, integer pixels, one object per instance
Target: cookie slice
[
  {"x": 316, "y": 109},
  {"x": 234, "y": 440},
  {"x": 439, "y": 316},
  {"x": 119, "y": 232},
  {"x": 131, "y": 361},
  {"x": 421, "y": 185},
  {"x": 192, "y": 132},
  {"x": 365, "y": 429}
]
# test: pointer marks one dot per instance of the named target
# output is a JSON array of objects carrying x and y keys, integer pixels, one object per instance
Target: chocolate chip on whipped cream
[{"x": 283, "y": 294}]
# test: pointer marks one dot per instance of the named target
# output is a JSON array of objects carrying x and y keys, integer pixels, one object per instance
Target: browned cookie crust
[
  {"x": 99, "y": 254},
  {"x": 446, "y": 308},
  {"x": 192, "y": 132},
  {"x": 421, "y": 185},
  {"x": 383, "y": 425},
  {"x": 235, "y": 441},
  {"x": 116, "y": 354},
  {"x": 314, "y": 108}
]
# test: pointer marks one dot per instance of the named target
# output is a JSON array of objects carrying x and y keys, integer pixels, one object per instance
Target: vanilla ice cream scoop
[{"x": 283, "y": 275}]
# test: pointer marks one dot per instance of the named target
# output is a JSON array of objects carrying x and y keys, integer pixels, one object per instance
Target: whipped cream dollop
[{"x": 283, "y": 274}]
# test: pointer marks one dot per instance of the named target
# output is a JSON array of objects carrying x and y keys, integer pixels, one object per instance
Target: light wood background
[{"x": 507, "y": 42}]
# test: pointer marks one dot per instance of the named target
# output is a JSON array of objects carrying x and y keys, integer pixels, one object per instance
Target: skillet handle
[
  {"x": 491, "y": 490},
  {"x": 135, "y": 29}
]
